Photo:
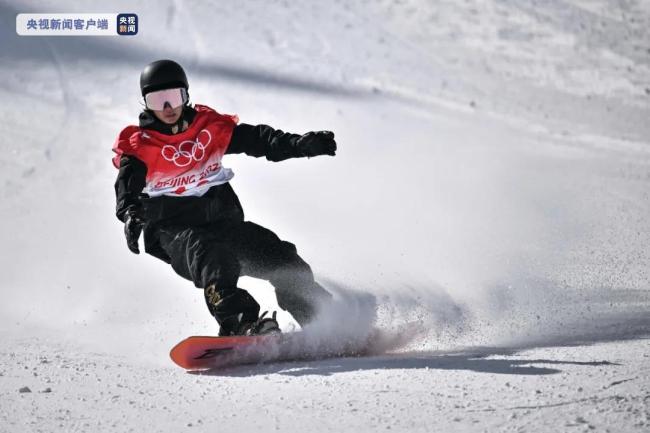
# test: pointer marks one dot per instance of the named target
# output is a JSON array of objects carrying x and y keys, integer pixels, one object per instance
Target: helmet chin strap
[{"x": 181, "y": 124}]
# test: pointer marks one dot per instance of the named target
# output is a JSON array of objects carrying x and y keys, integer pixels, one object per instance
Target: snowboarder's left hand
[
  {"x": 317, "y": 143},
  {"x": 133, "y": 223}
]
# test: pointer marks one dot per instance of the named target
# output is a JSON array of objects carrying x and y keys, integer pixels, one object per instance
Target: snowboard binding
[{"x": 262, "y": 326}]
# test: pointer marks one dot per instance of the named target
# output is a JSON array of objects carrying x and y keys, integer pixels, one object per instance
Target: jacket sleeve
[
  {"x": 131, "y": 180},
  {"x": 263, "y": 140}
]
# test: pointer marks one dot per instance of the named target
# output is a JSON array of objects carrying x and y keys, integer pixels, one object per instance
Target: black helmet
[{"x": 162, "y": 74}]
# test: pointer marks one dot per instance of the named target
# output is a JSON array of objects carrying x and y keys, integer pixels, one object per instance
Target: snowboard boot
[
  {"x": 231, "y": 308},
  {"x": 237, "y": 326}
]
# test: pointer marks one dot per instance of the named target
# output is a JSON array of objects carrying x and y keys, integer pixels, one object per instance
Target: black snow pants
[{"x": 218, "y": 254}]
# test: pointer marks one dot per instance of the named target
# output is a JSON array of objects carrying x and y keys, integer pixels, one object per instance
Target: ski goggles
[{"x": 159, "y": 99}]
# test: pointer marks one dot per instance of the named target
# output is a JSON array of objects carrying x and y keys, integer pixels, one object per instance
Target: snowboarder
[{"x": 172, "y": 185}]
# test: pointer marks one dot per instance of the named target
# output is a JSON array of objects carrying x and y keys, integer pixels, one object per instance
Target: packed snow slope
[{"x": 491, "y": 186}]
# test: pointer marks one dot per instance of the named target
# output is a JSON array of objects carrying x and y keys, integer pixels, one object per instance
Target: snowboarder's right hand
[
  {"x": 133, "y": 223},
  {"x": 316, "y": 143}
]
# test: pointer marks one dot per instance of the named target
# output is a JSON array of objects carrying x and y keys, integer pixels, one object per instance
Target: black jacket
[{"x": 218, "y": 204}]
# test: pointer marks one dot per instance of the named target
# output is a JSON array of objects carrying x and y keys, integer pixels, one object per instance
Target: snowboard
[
  {"x": 207, "y": 353},
  {"x": 211, "y": 353},
  {"x": 204, "y": 352}
]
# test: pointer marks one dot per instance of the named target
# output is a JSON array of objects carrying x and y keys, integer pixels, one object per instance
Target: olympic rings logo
[{"x": 188, "y": 151}]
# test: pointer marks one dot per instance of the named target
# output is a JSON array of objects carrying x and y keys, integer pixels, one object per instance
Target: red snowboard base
[
  {"x": 202, "y": 353},
  {"x": 199, "y": 353}
]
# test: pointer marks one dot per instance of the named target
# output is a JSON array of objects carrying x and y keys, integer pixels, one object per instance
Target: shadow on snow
[{"x": 480, "y": 361}]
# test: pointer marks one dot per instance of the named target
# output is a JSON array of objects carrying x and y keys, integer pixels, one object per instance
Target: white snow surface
[{"x": 492, "y": 187}]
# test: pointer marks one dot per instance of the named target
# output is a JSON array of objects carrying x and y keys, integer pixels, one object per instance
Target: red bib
[{"x": 188, "y": 163}]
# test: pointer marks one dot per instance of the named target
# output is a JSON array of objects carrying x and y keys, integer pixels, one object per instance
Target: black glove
[
  {"x": 317, "y": 143},
  {"x": 133, "y": 223}
]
